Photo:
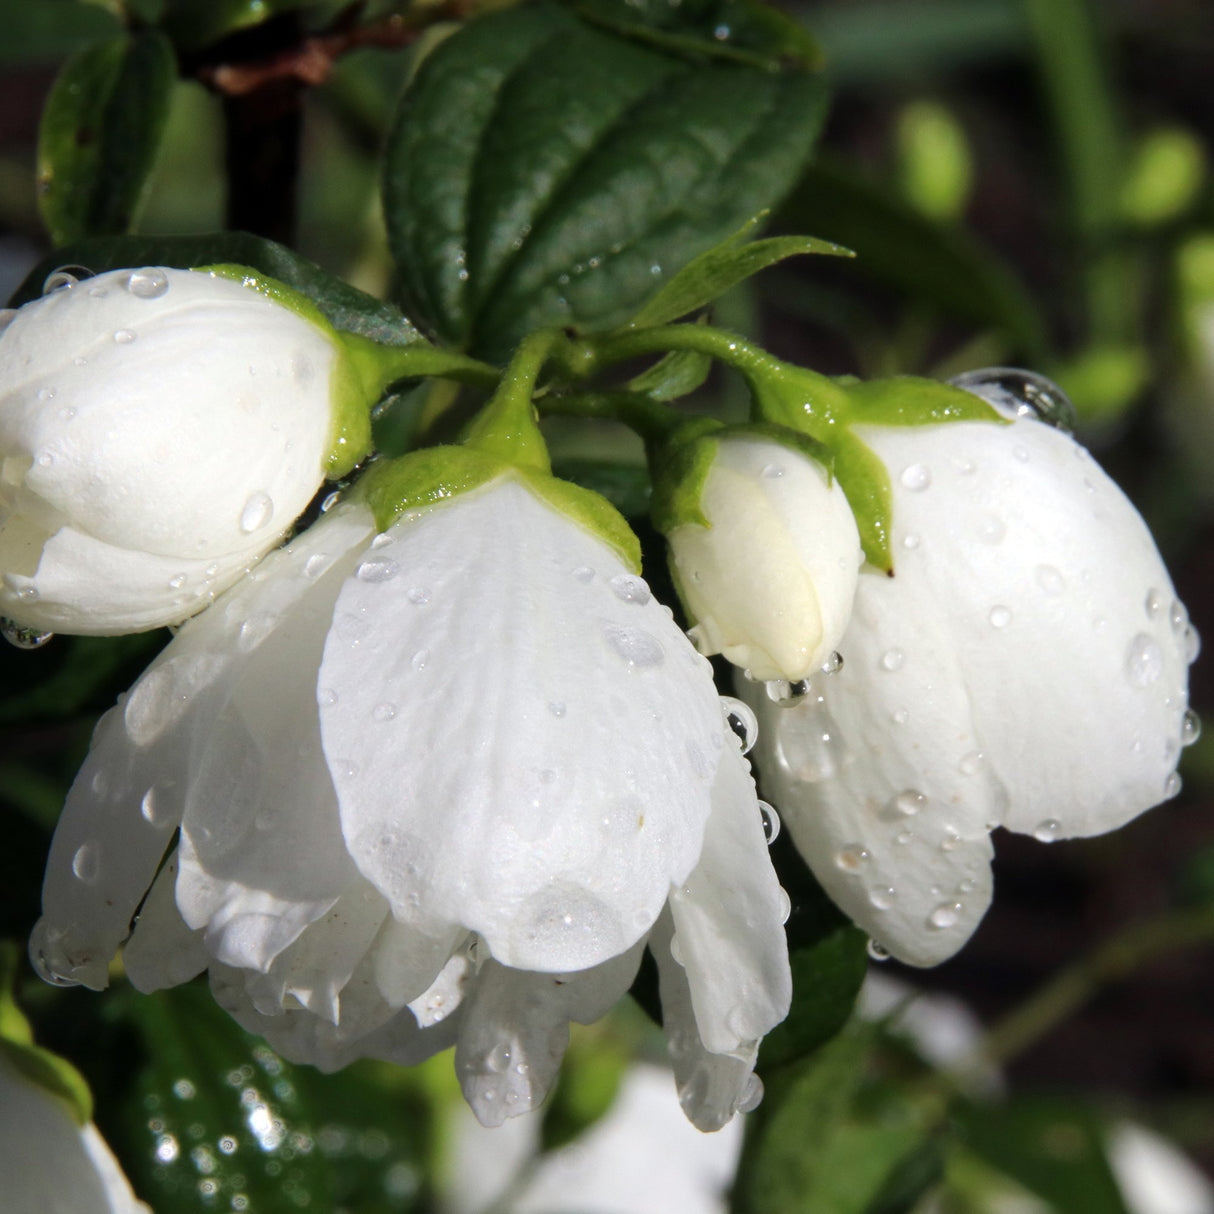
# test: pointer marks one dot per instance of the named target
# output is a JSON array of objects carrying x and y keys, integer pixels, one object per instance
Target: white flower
[
  {"x": 160, "y": 430},
  {"x": 510, "y": 772},
  {"x": 1026, "y": 667},
  {"x": 50, "y": 1163},
  {"x": 769, "y": 581}
]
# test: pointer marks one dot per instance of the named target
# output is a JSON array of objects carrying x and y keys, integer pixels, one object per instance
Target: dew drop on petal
[
  {"x": 881, "y": 897},
  {"x": 785, "y": 905},
  {"x": 1050, "y": 580},
  {"x": 916, "y": 477},
  {"x": 971, "y": 763},
  {"x": 147, "y": 807},
  {"x": 330, "y": 501},
  {"x": 991, "y": 529},
  {"x": 892, "y": 659},
  {"x": 557, "y": 708},
  {"x": 900, "y": 716},
  {"x": 419, "y": 659},
  {"x": 123, "y": 337},
  {"x": 911, "y": 541},
  {"x": 1171, "y": 786},
  {"x": 59, "y": 280},
  {"x": 787, "y": 694},
  {"x": 1143, "y": 661},
  {"x": 383, "y": 712},
  {"x": 86, "y": 862},
  {"x": 877, "y": 951},
  {"x": 419, "y": 596},
  {"x": 851, "y": 858},
  {"x": 1153, "y": 604},
  {"x": 583, "y": 573},
  {"x": 150, "y": 283},
  {"x": 1190, "y": 728},
  {"x": 630, "y": 589},
  {"x": 908, "y": 802},
  {"x": 315, "y": 565},
  {"x": 636, "y": 646},
  {"x": 257, "y": 512},
  {"x": 947, "y": 914},
  {"x": 833, "y": 664},
  {"x": 772, "y": 471},
  {"x": 752, "y": 1095},
  {"x": 23, "y": 638},
  {"x": 950, "y": 842},
  {"x": 1192, "y": 644},
  {"x": 1047, "y": 831},
  {"x": 999, "y": 616},
  {"x": 326, "y": 697},
  {"x": 771, "y": 822},
  {"x": 742, "y": 721},
  {"x": 377, "y": 571},
  {"x": 904, "y": 837},
  {"x": 1027, "y": 393}
]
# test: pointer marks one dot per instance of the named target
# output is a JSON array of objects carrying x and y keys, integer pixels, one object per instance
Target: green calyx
[{"x": 48, "y": 1071}]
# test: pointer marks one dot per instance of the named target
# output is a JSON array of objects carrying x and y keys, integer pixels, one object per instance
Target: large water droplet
[
  {"x": 771, "y": 822},
  {"x": 23, "y": 638},
  {"x": 60, "y": 280},
  {"x": 851, "y": 857},
  {"x": 881, "y": 897},
  {"x": 833, "y": 664},
  {"x": 892, "y": 659},
  {"x": 999, "y": 616},
  {"x": 148, "y": 809},
  {"x": 785, "y": 693},
  {"x": 742, "y": 721},
  {"x": 947, "y": 914},
  {"x": 1047, "y": 831},
  {"x": 257, "y": 512},
  {"x": 1190, "y": 728},
  {"x": 1143, "y": 661},
  {"x": 377, "y": 571},
  {"x": 148, "y": 283},
  {"x": 636, "y": 646},
  {"x": 752, "y": 1095},
  {"x": 123, "y": 337},
  {"x": 419, "y": 596},
  {"x": 908, "y": 802},
  {"x": 1025, "y": 392},
  {"x": 878, "y": 952},
  {"x": 86, "y": 862},
  {"x": 916, "y": 477},
  {"x": 784, "y": 904},
  {"x": 630, "y": 589}
]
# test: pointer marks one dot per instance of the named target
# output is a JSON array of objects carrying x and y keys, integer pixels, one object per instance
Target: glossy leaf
[
  {"x": 100, "y": 133},
  {"x": 708, "y": 276},
  {"x": 545, "y": 171},
  {"x": 344, "y": 306}
]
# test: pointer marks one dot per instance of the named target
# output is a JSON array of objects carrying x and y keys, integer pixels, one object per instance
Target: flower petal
[
  {"x": 163, "y": 950},
  {"x": 563, "y": 734},
  {"x": 728, "y": 919},
  {"x": 515, "y": 1028}
]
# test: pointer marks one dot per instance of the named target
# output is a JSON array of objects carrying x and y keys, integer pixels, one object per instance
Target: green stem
[{"x": 651, "y": 419}]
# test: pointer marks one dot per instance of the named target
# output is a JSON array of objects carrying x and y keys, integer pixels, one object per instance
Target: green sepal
[
  {"x": 675, "y": 375},
  {"x": 864, "y": 479},
  {"x": 352, "y": 396},
  {"x": 48, "y": 1071},
  {"x": 708, "y": 276},
  {"x": 908, "y": 400},
  {"x": 426, "y": 478}
]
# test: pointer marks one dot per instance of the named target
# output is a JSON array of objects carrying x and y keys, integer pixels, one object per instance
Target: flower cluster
[{"x": 438, "y": 771}]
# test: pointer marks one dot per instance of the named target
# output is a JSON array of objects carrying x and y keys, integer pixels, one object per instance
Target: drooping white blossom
[
  {"x": 769, "y": 574},
  {"x": 160, "y": 430},
  {"x": 49, "y": 1163},
  {"x": 436, "y": 785},
  {"x": 1025, "y": 667}
]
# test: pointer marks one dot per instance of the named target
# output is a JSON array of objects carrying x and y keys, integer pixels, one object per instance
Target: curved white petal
[
  {"x": 770, "y": 580},
  {"x": 143, "y": 768},
  {"x": 50, "y": 1164},
  {"x": 712, "y": 1087},
  {"x": 562, "y": 734},
  {"x": 728, "y": 920},
  {"x": 515, "y": 1027}
]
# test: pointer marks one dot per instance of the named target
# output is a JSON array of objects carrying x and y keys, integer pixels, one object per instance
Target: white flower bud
[
  {"x": 770, "y": 581},
  {"x": 160, "y": 430}
]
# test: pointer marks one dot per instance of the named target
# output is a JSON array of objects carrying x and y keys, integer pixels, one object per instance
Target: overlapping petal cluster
[
  {"x": 440, "y": 784},
  {"x": 160, "y": 430}
]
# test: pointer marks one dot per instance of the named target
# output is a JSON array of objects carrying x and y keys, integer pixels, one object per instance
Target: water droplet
[
  {"x": 377, "y": 571},
  {"x": 908, "y": 802},
  {"x": 149, "y": 283},
  {"x": 772, "y": 471},
  {"x": 383, "y": 712},
  {"x": 1021, "y": 452},
  {"x": 419, "y": 596},
  {"x": 785, "y": 904},
  {"x": 497, "y": 1059},
  {"x": 1026, "y": 393},
  {"x": 45, "y": 460},
  {"x": 123, "y": 337},
  {"x": 1143, "y": 661},
  {"x": 786, "y": 694},
  {"x": 676, "y": 950},
  {"x": 330, "y": 501},
  {"x": 999, "y": 616},
  {"x": 1047, "y": 831},
  {"x": 583, "y": 573},
  {"x": 878, "y": 952},
  {"x": 742, "y": 721},
  {"x": 771, "y": 822},
  {"x": 892, "y": 659},
  {"x": 256, "y": 513},
  {"x": 326, "y": 697},
  {"x": 23, "y": 638},
  {"x": 1171, "y": 786},
  {"x": 630, "y": 589},
  {"x": 557, "y": 708},
  {"x": 315, "y": 565},
  {"x": 1050, "y": 580},
  {"x": 911, "y": 541},
  {"x": 636, "y": 646},
  {"x": 1192, "y": 644},
  {"x": 991, "y": 529},
  {"x": 916, "y": 477},
  {"x": 882, "y": 897},
  {"x": 86, "y": 863},
  {"x": 419, "y": 659},
  {"x": 947, "y": 914},
  {"x": 1153, "y": 604},
  {"x": 833, "y": 664},
  {"x": 1190, "y": 728},
  {"x": 851, "y": 857},
  {"x": 752, "y": 1094},
  {"x": 950, "y": 842},
  {"x": 46, "y": 394},
  {"x": 59, "y": 280},
  {"x": 900, "y": 716},
  {"x": 902, "y": 838},
  {"x": 970, "y": 764},
  {"x": 177, "y": 581}
]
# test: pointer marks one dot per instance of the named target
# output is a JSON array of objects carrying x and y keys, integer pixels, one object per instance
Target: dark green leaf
[
  {"x": 708, "y": 276},
  {"x": 928, "y": 262},
  {"x": 543, "y": 171},
  {"x": 100, "y": 133},
  {"x": 344, "y": 306},
  {"x": 1053, "y": 1147},
  {"x": 193, "y": 24},
  {"x": 826, "y": 979},
  {"x": 51, "y": 31}
]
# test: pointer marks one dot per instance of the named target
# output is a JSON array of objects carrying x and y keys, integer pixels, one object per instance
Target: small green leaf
[
  {"x": 345, "y": 307},
  {"x": 826, "y": 979},
  {"x": 675, "y": 375},
  {"x": 708, "y": 276},
  {"x": 544, "y": 171},
  {"x": 100, "y": 134}
]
